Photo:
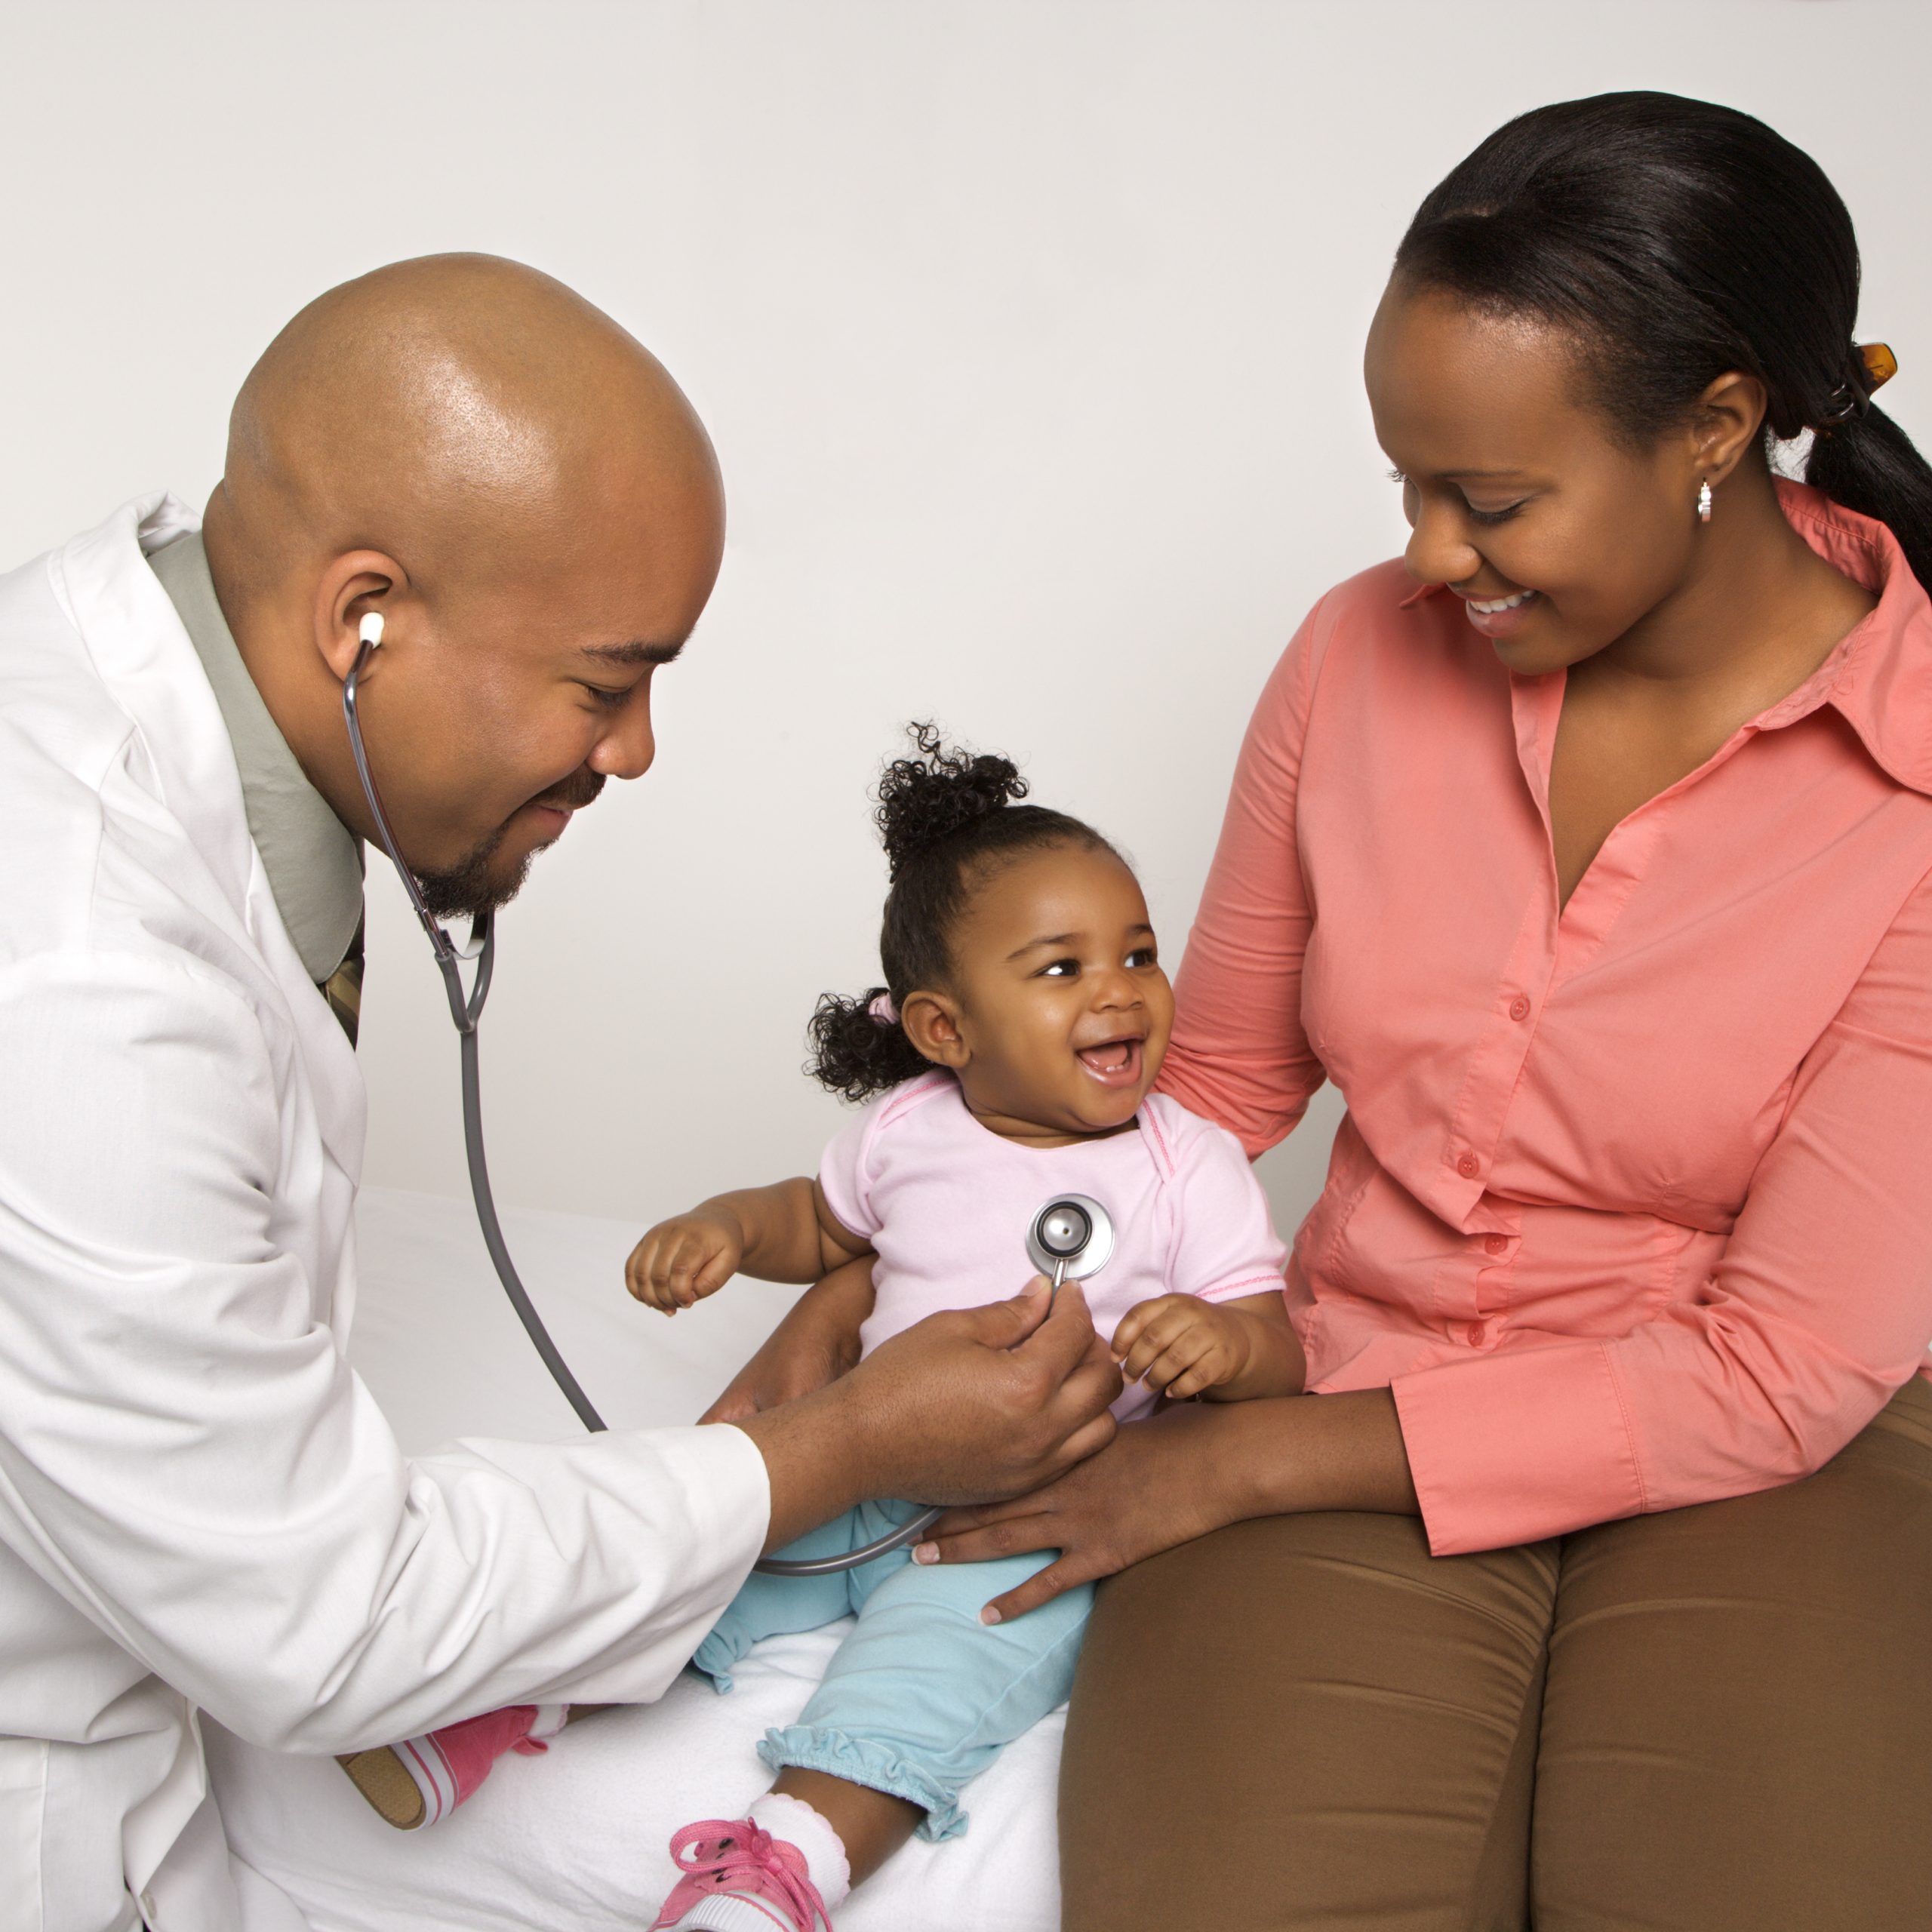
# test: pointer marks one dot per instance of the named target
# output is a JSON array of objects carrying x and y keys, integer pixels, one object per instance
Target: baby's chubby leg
[{"x": 921, "y": 1696}]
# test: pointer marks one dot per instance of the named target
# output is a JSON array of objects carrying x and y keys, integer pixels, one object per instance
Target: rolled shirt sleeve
[
  {"x": 1239, "y": 1054},
  {"x": 1819, "y": 1310}
]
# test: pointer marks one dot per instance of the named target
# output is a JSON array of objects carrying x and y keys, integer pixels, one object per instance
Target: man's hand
[
  {"x": 683, "y": 1259},
  {"x": 816, "y": 1343},
  {"x": 967, "y": 1406}
]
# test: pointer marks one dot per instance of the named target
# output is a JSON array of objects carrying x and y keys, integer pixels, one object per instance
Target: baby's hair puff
[{"x": 948, "y": 819}]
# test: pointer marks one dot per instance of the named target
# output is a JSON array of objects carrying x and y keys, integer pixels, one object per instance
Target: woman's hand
[
  {"x": 682, "y": 1261},
  {"x": 1159, "y": 1483},
  {"x": 1182, "y": 1473},
  {"x": 816, "y": 1343}
]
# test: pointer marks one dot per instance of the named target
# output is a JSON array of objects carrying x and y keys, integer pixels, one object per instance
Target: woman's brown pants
[{"x": 1713, "y": 1719}]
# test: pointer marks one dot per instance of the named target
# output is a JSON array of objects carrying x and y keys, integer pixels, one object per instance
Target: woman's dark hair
[
  {"x": 947, "y": 818},
  {"x": 1676, "y": 240}
]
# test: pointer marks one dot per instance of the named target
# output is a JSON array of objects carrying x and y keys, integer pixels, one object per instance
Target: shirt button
[
  {"x": 1519, "y": 1008},
  {"x": 1495, "y": 1244},
  {"x": 1476, "y": 1333},
  {"x": 147, "y": 1903},
  {"x": 1468, "y": 1167}
]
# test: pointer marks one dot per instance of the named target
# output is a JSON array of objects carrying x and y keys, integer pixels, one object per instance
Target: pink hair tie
[{"x": 882, "y": 1010}]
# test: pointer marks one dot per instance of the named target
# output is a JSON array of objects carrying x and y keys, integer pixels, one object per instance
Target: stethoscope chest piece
[{"x": 1071, "y": 1237}]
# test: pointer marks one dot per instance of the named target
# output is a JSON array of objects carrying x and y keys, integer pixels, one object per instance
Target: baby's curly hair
[{"x": 948, "y": 818}]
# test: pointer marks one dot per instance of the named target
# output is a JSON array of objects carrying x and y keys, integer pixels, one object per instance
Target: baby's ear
[{"x": 931, "y": 1021}]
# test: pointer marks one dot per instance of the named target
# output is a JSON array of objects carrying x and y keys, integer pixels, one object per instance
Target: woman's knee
[{"x": 1320, "y": 1686}]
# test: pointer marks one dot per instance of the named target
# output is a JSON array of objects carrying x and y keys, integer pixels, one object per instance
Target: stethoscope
[{"x": 1071, "y": 1237}]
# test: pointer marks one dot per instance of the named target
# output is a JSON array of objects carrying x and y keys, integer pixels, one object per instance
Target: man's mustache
[{"x": 578, "y": 789}]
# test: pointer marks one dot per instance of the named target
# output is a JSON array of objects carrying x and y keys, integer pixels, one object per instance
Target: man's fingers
[
  {"x": 1064, "y": 1341},
  {"x": 1089, "y": 1439},
  {"x": 1005, "y": 1325},
  {"x": 1082, "y": 1398}
]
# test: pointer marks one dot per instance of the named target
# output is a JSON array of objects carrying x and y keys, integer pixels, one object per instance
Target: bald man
[{"x": 200, "y": 1507}]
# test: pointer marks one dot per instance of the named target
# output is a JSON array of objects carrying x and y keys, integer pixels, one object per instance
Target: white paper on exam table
[{"x": 578, "y": 1837}]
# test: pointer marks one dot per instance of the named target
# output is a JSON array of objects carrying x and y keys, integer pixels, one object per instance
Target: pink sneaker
[
  {"x": 423, "y": 1779},
  {"x": 744, "y": 1877}
]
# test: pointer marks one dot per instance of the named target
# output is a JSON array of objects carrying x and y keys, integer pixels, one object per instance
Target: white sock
[
  {"x": 794, "y": 1821},
  {"x": 550, "y": 1719}
]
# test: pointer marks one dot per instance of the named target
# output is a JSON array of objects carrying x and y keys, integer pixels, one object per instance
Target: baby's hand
[
  {"x": 683, "y": 1259},
  {"x": 1182, "y": 1345}
]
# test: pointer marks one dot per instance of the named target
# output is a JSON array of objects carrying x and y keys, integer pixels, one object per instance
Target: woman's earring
[{"x": 1704, "y": 501}]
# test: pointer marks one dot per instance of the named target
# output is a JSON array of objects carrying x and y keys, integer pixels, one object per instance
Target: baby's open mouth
[{"x": 1113, "y": 1063}]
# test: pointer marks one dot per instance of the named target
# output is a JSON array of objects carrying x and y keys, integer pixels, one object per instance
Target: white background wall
[{"x": 1028, "y": 333}]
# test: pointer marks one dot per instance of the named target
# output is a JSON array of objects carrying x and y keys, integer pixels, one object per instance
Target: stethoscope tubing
[{"x": 466, "y": 1009}]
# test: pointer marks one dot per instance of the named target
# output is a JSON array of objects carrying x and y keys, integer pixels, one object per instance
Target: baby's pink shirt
[{"x": 946, "y": 1204}]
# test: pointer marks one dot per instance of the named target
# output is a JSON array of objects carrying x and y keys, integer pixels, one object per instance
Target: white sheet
[{"x": 578, "y": 1838}]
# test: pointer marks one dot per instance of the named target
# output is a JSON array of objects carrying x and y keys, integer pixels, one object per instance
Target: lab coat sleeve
[{"x": 186, "y": 1455}]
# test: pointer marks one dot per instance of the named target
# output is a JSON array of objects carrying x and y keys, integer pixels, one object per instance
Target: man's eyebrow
[{"x": 634, "y": 653}]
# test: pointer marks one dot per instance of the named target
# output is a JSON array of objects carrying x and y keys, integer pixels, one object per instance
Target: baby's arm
[
  {"x": 1231, "y": 1351},
  {"x": 784, "y": 1232}
]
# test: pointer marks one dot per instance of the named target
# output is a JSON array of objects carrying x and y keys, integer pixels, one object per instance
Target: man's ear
[
  {"x": 932, "y": 1023},
  {"x": 353, "y": 585}
]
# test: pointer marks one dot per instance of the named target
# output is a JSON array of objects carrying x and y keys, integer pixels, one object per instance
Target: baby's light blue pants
[{"x": 921, "y": 1696}]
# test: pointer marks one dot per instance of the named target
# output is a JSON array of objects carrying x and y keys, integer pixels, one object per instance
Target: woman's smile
[{"x": 1502, "y": 616}]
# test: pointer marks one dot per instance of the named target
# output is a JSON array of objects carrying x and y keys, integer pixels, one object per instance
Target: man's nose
[
  {"x": 626, "y": 750},
  {"x": 1438, "y": 552}
]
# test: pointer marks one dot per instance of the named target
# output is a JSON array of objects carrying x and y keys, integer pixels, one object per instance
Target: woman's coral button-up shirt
[{"x": 1632, "y": 1205}]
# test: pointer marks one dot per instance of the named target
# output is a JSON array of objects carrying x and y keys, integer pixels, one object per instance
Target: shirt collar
[
  {"x": 1879, "y": 675},
  {"x": 313, "y": 862}
]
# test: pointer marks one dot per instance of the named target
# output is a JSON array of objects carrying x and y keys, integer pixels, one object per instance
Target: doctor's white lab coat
[{"x": 200, "y": 1507}]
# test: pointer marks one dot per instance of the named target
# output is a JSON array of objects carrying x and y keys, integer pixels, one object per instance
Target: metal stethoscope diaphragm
[{"x": 1071, "y": 1237}]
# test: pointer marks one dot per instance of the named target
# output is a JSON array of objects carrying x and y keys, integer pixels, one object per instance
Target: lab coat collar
[{"x": 137, "y": 644}]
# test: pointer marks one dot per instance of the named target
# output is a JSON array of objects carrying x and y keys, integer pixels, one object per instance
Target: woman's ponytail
[{"x": 1869, "y": 464}]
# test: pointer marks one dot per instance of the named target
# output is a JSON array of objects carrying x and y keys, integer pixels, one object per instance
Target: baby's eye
[
  {"x": 1142, "y": 955},
  {"x": 1060, "y": 969}
]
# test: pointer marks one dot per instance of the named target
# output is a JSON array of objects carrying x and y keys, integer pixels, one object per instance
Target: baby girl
[{"x": 1011, "y": 1050}]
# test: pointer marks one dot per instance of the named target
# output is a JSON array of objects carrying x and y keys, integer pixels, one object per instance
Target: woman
[{"x": 1591, "y": 856}]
